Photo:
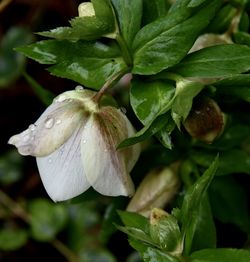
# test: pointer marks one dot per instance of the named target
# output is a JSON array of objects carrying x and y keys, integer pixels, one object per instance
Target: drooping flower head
[{"x": 74, "y": 142}]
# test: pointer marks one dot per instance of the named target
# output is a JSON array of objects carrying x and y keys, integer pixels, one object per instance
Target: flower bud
[
  {"x": 205, "y": 121},
  {"x": 86, "y": 9},
  {"x": 156, "y": 190},
  {"x": 75, "y": 142},
  {"x": 164, "y": 230}
]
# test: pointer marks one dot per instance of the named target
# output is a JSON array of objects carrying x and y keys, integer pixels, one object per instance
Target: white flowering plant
[{"x": 185, "y": 65}]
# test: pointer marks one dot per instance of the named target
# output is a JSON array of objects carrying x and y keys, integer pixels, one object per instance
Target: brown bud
[{"x": 205, "y": 121}]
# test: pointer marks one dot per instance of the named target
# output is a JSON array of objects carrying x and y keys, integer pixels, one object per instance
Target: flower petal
[
  {"x": 54, "y": 126},
  {"x": 62, "y": 172},
  {"x": 106, "y": 168}
]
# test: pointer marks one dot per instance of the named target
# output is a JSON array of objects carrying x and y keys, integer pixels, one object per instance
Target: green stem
[
  {"x": 124, "y": 48},
  {"x": 111, "y": 82},
  {"x": 19, "y": 211}
]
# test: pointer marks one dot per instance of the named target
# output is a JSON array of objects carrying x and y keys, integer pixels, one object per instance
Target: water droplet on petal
[
  {"x": 79, "y": 88},
  {"x": 49, "y": 122},
  {"x": 32, "y": 127},
  {"x": 123, "y": 110},
  {"x": 84, "y": 141},
  {"x": 58, "y": 122},
  {"x": 50, "y": 160}
]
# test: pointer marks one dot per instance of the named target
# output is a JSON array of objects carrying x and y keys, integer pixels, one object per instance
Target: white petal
[
  {"x": 105, "y": 167},
  {"x": 50, "y": 131},
  {"x": 62, "y": 172}
]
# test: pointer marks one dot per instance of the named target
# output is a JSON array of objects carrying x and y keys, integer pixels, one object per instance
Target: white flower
[{"x": 74, "y": 142}]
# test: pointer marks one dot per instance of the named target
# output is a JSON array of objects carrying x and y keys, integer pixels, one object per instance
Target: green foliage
[
  {"x": 10, "y": 168},
  {"x": 12, "y": 239},
  {"x": 169, "y": 236},
  {"x": 129, "y": 16},
  {"x": 12, "y": 63},
  {"x": 148, "y": 99},
  {"x": 222, "y": 20},
  {"x": 229, "y": 202},
  {"x": 87, "y": 27},
  {"x": 168, "y": 39},
  {"x": 45, "y": 95},
  {"x": 46, "y": 219},
  {"x": 190, "y": 210},
  {"x": 222, "y": 255},
  {"x": 216, "y": 61},
  {"x": 151, "y": 40},
  {"x": 153, "y": 10},
  {"x": 87, "y": 63}
]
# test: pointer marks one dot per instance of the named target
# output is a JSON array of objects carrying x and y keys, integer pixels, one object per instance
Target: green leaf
[
  {"x": 12, "y": 239},
  {"x": 158, "y": 124},
  {"x": 88, "y": 63},
  {"x": 88, "y": 27},
  {"x": 233, "y": 136},
  {"x": 164, "y": 42},
  {"x": 215, "y": 61},
  {"x": 222, "y": 20},
  {"x": 45, "y": 95},
  {"x": 185, "y": 92},
  {"x": 164, "y": 134},
  {"x": 239, "y": 158},
  {"x": 129, "y": 17},
  {"x": 191, "y": 205},
  {"x": 221, "y": 255},
  {"x": 166, "y": 233},
  {"x": 238, "y": 86},
  {"x": 134, "y": 220},
  {"x": 229, "y": 202},
  {"x": 194, "y": 3},
  {"x": 110, "y": 217},
  {"x": 149, "y": 98},
  {"x": 152, "y": 254},
  {"x": 137, "y": 234},
  {"x": 12, "y": 63},
  {"x": 83, "y": 219},
  {"x": 11, "y": 167},
  {"x": 242, "y": 38},
  {"x": 97, "y": 254},
  {"x": 47, "y": 219},
  {"x": 205, "y": 227},
  {"x": 153, "y": 10}
]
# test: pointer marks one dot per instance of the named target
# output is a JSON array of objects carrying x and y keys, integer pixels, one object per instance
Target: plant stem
[
  {"x": 64, "y": 250},
  {"x": 19, "y": 211},
  {"x": 109, "y": 84},
  {"x": 4, "y": 4},
  {"x": 125, "y": 52}
]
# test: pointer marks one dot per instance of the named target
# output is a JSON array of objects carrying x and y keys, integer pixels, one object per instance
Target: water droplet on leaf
[{"x": 49, "y": 122}]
